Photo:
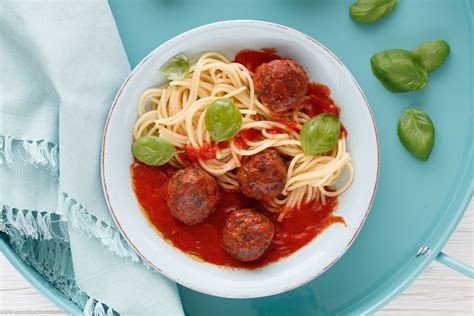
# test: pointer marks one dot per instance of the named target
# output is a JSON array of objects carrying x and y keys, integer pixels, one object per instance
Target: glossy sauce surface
[
  {"x": 245, "y": 135},
  {"x": 252, "y": 58},
  {"x": 206, "y": 152},
  {"x": 319, "y": 100},
  {"x": 203, "y": 240}
]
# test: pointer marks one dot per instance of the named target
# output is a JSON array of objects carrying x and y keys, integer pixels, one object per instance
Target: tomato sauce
[
  {"x": 252, "y": 58},
  {"x": 319, "y": 100},
  {"x": 275, "y": 130},
  {"x": 343, "y": 131},
  {"x": 193, "y": 154},
  {"x": 248, "y": 134},
  {"x": 203, "y": 240},
  {"x": 291, "y": 125}
]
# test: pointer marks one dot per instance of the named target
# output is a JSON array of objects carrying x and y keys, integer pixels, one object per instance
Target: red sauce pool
[
  {"x": 203, "y": 240},
  {"x": 252, "y": 58},
  {"x": 319, "y": 100}
]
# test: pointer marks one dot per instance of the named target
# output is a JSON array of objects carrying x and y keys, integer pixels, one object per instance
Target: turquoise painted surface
[{"x": 417, "y": 203}]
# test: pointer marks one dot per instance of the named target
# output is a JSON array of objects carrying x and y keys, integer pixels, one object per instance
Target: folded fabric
[{"x": 61, "y": 64}]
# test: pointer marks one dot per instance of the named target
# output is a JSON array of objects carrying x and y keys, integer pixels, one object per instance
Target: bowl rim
[{"x": 238, "y": 22}]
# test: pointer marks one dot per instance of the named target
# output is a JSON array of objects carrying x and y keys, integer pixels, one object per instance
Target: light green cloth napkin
[{"x": 61, "y": 64}]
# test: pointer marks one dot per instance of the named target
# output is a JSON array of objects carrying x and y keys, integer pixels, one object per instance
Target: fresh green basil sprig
[
  {"x": 399, "y": 70},
  {"x": 416, "y": 132},
  {"x": 432, "y": 54},
  {"x": 153, "y": 150},
  {"x": 402, "y": 71},
  {"x": 176, "y": 68},
  {"x": 370, "y": 11},
  {"x": 223, "y": 119},
  {"x": 320, "y": 134}
]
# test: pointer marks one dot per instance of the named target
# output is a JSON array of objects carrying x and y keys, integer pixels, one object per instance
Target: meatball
[
  {"x": 247, "y": 234},
  {"x": 193, "y": 194},
  {"x": 262, "y": 176},
  {"x": 281, "y": 84}
]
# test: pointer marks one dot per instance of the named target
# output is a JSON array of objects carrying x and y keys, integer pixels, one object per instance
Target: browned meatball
[
  {"x": 193, "y": 194},
  {"x": 262, "y": 176},
  {"x": 281, "y": 85},
  {"x": 247, "y": 234}
]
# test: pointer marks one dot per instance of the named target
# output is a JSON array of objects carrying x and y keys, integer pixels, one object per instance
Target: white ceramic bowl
[{"x": 307, "y": 263}]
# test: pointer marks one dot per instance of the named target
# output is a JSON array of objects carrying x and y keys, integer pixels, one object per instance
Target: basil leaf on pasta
[
  {"x": 176, "y": 68},
  {"x": 153, "y": 151},
  {"x": 320, "y": 134},
  {"x": 223, "y": 119}
]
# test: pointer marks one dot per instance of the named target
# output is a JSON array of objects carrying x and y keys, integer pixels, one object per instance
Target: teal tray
[{"x": 417, "y": 205}]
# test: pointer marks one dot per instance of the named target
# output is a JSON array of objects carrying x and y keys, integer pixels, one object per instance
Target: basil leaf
[
  {"x": 176, "y": 68},
  {"x": 399, "y": 70},
  {"x": 320, "y": 134},
  {"x": 416, "y": 132},
  {"x": 432, "y": 54},
  {"x": 369, "y": 11},
  {"x": 153, "y": 151},
  {"x": 223, "y": 119}
]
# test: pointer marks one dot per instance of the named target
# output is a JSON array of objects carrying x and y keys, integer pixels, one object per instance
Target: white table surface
[{"x": 439, "y": 290}]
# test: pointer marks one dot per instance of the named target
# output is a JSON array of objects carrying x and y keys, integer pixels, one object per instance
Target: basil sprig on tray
[
  {"x": 370, "y": 11},
  {"x": 399, "y": 70},
  {"x": 176, "y": 68},
  {"x": 223, "y": 119},
  {"x": 402, "y": 71},
  {"x": 416, "y": 132},
  {"x": 432, "y": 54},
  {"x": 153, "y": 150},
  {"x": 320, "y": 134}
]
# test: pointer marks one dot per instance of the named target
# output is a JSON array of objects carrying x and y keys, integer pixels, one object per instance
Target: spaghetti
[{"x": 176, "y": 113}]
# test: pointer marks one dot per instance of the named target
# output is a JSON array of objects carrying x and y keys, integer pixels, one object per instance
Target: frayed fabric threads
[
  {"x": 38, "y": 153},
  {"x": 34, "y": 239},
  {"x": 96, "y": 308},
  {"x": 52, "y": 259},
  {"x": 77, "y": 216},
  {"x": 6, "y": 155},
  {"x": 30, "y": 223}
]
